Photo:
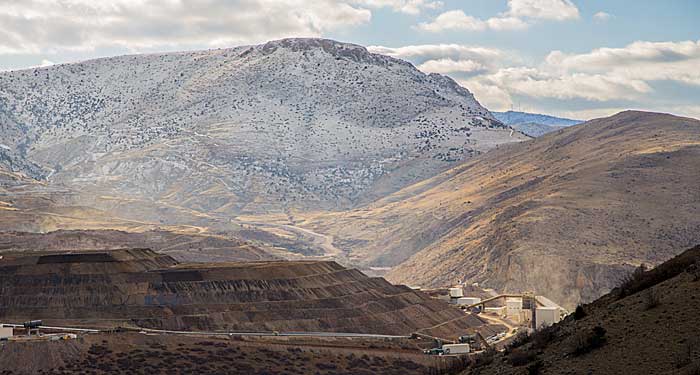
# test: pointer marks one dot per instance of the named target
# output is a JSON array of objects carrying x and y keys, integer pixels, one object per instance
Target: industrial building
[
  {"x": 525, "y": 309},
  {"x": 514, "y": 308},
  {"x": 468, "y": 300},
  {"x": 546, "y": 316},
  {"x": 456, "y": 348}
]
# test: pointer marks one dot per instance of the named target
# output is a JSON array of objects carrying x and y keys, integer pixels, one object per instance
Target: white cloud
[
  {"x": 598, "y": 81},
  {"x": 458, "y": 20},
  {"x": 649, "y": 61},
  {"x": 602, "y": 16},
  {"x": 425, "y": 52},
  {"x": 602, "y": 75},
  {"x": 506, "y": 23},
  {"x": 444, "y": 66},
  {"x": 520, "y": 14},
  {"x": 43, "y": 26},
  {"x": 543, "y": 9},
  {"x": 453, "y": 20},
  {"x": 413, "y": 7},
  {"x": 492, "y": 96},
  {"x": 537, "y": 83}
]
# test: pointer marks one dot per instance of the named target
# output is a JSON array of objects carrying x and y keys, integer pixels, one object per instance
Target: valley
[
  {"x": 564, "y": 214},
  {"x": 481, "y": 217},
  {"x": 307, "y": 206}
]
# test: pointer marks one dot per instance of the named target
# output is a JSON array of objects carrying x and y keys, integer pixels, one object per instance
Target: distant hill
[
  {"x": 515, "y": 117},
  {"x": 564, "y": 214}
]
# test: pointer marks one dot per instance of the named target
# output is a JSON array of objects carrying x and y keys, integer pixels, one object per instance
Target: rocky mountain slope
[
  {"x": 648, "y": 325},
  {"x": 563, "y": 215},
  {"x": 141, "y": 288},
  {"x": 294, "y": 123}
]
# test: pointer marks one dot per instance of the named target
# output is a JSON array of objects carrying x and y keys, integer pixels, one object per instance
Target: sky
[{"x": 571, "y": 58}]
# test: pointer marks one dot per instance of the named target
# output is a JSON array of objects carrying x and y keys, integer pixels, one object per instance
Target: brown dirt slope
[
  {"x": 647, "y": 326},
  {"x": 132, "y": 353},
  {"x": 145, "y": 289},
  {"x": 562, "y": 215},
  {"x": 185, "y": 247}
]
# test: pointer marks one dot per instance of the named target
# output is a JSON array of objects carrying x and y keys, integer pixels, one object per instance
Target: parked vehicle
[{"x": 434, "y": 351}]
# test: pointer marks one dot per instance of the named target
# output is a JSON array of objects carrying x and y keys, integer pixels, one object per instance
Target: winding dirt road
[{"x": 322, "y": 241}]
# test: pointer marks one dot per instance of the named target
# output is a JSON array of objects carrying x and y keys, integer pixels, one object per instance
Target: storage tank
[{"x": 456, "y": 292}]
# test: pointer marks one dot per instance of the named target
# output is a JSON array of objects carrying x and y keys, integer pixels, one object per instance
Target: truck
[
  {"x": 456, "y": 348},
  {"x": 434, "y": 351}
]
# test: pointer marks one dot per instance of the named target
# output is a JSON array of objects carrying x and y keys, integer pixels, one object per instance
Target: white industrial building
[
  {"x": 456, "y": 348},
  {"x": 466, "y": 301},
  {"x": 514, "y": 306},
  {"x": 546, "y": 316},
  {"x": 524, "y": 309}
]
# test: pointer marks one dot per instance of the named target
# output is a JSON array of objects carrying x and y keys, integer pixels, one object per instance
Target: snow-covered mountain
[
  {"x": 515, "y": 117},
  {"x": 294, "y": 123}
]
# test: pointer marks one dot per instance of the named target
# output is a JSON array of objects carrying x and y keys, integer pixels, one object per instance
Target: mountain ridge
[
  {"x": 517, "y": 117},
  {"x": 289, "y": 124}
]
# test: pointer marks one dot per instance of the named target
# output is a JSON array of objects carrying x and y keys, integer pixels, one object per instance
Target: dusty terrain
[
  {"x": 129, "y": 353},
  {"x": 185, "y": 247},
  {"x": 563, "y": 215},
  {"x": 141, "y": 288},
  {"x": 649, "y": 326}
]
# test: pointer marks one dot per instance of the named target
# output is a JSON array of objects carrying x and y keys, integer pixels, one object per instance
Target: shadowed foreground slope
[{"x": 647, "y": 326}]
